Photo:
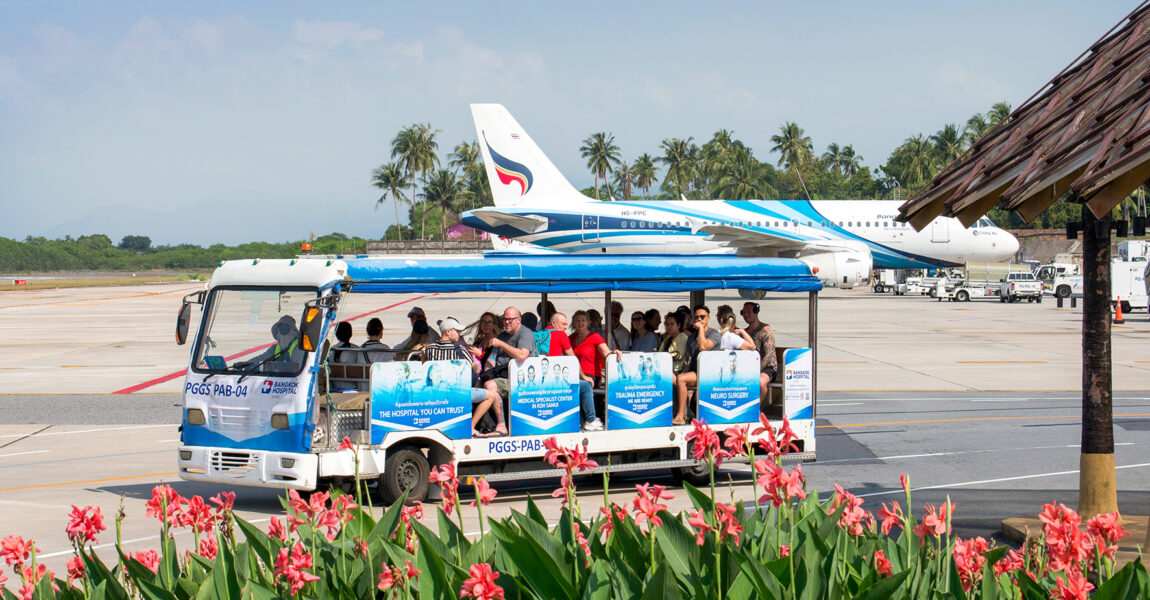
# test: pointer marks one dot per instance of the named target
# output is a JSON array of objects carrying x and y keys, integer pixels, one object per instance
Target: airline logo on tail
[{"x": 508, "y": 170}]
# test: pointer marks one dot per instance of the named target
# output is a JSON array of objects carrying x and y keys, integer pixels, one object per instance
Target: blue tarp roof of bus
[{"x": 560, "y": 274}]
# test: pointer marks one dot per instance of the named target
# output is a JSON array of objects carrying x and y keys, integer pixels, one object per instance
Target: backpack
[{"x": 543, "y": 342}]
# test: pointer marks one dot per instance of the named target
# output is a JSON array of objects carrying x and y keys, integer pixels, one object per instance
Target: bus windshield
[{"x": 253, "y": 331}]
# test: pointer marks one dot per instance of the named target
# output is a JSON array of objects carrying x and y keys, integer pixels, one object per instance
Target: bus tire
[
  {"x": 962, "y": 296},
  {"x": 405, "y": 469},
  {"x": 698, "y": 475},
  {"x": 1063, "y": 291},
  {"x": 1038, "y": 299}
]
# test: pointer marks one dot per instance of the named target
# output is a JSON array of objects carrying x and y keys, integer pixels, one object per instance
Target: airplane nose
[{"x": 1009, "y": 245}]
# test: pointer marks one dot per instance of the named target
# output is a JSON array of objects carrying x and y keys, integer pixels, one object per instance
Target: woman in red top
[{"x": 589, "y": 347}]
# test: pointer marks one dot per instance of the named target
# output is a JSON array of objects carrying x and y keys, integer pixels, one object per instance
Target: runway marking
[
  {"x": 23, "y": 453},
  {"x": 969, "y": 419},
  {"x": 148, "y": 538},
  {"x": 842, "y": 404},
  {"x": 844, "y": 362},
  {"x": 38, "y": 434},
  {"x": 963, "y": 452},
  {"x": 995, "y": 480},
  {"x": 171, "y": 376},
  {"x": 48, "y": 485},
  {"x": 165, "y": 441},
  {"x": 1001, "y": 362},
  {"x": 1000, "y": 400}
]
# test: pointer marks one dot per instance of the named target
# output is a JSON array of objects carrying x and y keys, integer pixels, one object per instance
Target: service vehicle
[
  {"x": 1018, "y": 286},
  {"x": 272, "y": 412},
  {"x": 1128, "y": 275},
  {"x": 885, "y": 280}
]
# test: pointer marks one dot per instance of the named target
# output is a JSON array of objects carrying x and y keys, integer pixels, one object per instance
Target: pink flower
[
  {"x": 330, "y": 521},
  {"x": 165, "y": 506},
  {"x": 609, "y": 524},
  {"x": 725, "y": 522},
  {"x": 904, "y": 479},
  {"x": 386, "y": 580},
  {"x": 149, "y": 558},
  {"x": 1011, "y": 562},
  {"x": 291, "y": 567},
  {"x": 276, "y": 530},
  {"x": 890, "y": 518},
  {"x": 1066, "y": 544},
  {"x": 784, "y": 551},
  {"x": 26, "y": 592},
  {"x": 200, "y": 515},
  {"x": 75, "y": 569},
  {"x": 411, "y": 571},
  {"x": 483, "y": 492},
  {"x": 1075, "y": 588},
  {"x": 934, "y": 522},
  {"x": 706, "y": 445},
  {"x": 448, "y": 483},
  {"x": 780, "y": 487},
  {"x": 82, "y": 527},
  {"x": 882, "y": 564},
  {"x": 968, "y": 560},
  {"x": 407, "y": 514},
  {"x": 481, "y": 585},
  {"x": 699, "y": 522},
  {"x": 787, "y": 438},
  {"x": 571, "y": 459},
  {"x": 16, "y": 550},
  {"x": 3, "y": 578},
  {"x": 736, "y": 441},
  {"x": 768, "y": 442},
  {"x": 647, "y": 502},
  {"x": 345, "y": 444},
  {"x": 853, "y": 515},
  {"x": 208, "y": 547},
  {"x": 1106, "y": 533},
  {"x": 225, "y": 502},
  {"x": 583, "y": 544}
]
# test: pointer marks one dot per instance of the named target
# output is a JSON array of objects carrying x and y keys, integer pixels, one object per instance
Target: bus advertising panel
[
  {"x": 544, "y": 395},
  {"x": 728, "y": 386},
  {"x": 639, "y": 390},
  {"x": 407, "y": 396},
  {"x": 798, "y": 383}
]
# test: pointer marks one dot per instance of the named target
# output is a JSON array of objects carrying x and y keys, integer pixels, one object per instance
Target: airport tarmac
[{"x": 973, "y": 400}]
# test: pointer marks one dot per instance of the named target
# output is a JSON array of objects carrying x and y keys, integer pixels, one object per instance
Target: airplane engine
[{"x": 844, "y": 267}]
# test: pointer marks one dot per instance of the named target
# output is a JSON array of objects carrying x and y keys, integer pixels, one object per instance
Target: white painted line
[
  {"x": 165, "y": 441},
  {"x": 918, "y": 455},
  {"x": 27, "y": 435},
  {"x": 1001, "y": 399},
  {"x": 964, "y": 452},
  {"x": 21, "y": 453},
  {"x": 173, "y": 531},
  {"x": 824, "y": 404},
  {"x": 944, "y": 486}
]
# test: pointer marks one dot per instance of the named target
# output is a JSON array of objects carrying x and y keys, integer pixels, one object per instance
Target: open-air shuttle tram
[{"x": 252, "y": 402}]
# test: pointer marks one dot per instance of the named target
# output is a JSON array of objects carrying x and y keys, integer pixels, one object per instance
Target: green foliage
[{"x": 136, "y": 243}]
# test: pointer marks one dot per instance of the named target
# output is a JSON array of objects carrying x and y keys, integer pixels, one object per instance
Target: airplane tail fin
[{"x": 518, "y": 170}]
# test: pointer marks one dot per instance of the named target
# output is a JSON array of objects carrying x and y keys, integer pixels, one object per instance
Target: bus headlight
[
  {"x": 287, "y": 463},
  {"x": 196, "y": 417},
  {"x": 279, "y": 420},
  {"x": 185, "y": 455}
]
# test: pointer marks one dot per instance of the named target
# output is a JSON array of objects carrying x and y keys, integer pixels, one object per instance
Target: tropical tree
[
  {"x": 416, "y": 148},
  {"x": 625, "y": 177},
  {"x": 443, "y": 190},
  {"x": 851, "y": 162},
  {"x": 976, "y": 127},
  {"x": 679, "y": 162},
  {"x": 833, "y": 158},
  {"x": 792, "y": 144},
  {"x": 602, "y": 155},
  {"x": 948, "y": 145},
  {"x": 915, "y": 161},
  {"x": 645, "y": 173},
  {"x": 469, "y": 161},
  {"x": 743, "y": 180},
  {"x": 999, "y": 113},
  {"x": 390, "y": 178}
]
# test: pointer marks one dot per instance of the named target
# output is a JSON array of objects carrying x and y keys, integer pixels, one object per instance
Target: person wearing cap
[
  {"x": 450, "y": 347},
  {"x": 284, "y": 356},
  {"x": 415, "y": 315}
]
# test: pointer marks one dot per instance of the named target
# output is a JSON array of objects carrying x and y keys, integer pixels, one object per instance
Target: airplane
[{"x": 538, "y": 211}]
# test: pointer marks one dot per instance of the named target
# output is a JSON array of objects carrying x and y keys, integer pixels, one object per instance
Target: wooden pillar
[{"x": 1097, "y": 484}]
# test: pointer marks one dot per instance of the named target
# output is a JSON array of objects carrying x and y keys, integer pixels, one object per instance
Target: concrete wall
[{"x": 428, "y": 247}]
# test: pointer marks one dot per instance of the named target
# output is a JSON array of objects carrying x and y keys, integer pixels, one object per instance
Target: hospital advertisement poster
[
  {"x": 639, "y": 390},
  {"x": 728, "y": 386},
  {"x": 544, "y": 395},
  {"x": 798, "y": 383},
  {"x": 408, "y": 396}
]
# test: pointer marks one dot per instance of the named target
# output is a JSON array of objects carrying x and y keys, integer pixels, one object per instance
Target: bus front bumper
[{"x": 257, "y": 468}]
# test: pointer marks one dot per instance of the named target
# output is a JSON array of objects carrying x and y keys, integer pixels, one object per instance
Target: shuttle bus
[{"x": 264, "y": 403}]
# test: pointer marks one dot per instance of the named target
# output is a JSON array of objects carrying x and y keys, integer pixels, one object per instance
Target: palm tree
[
  {"x": 851, "y": 162},
  {"x": 602, "y": 154},
  {"x": 625, "y": 177},
  {"x": 947, "y": 144},
  {"x": 792, "y": 144},
  {"x": 999, "y": 113},
  {"x": 443, "y": 190},
  {"x": 918, "y": 158},
  {"x": 976, "y": 127},
  {"x": 833, "y": 158},
  {"x": 743, "y": 180},
  {"x": 645, "y": 173},
  {"x": 416, "y": 148},
  {"x": 677, "y": 158},
  {"x": 467, "y": 159},
  {"x": 391, "y": 179}
]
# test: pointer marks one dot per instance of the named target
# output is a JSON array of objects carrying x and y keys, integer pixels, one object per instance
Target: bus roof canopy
[{"x": 560, "y": 274}]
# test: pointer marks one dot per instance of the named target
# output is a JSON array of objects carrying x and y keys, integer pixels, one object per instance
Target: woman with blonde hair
[
  {"x": 733, "y": 338},
  {"x": 412, "y": 348},
  {"x": 486, "y": 328}
]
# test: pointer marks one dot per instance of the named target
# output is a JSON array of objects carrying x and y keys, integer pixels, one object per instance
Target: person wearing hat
[
  {"x": 416, "y": 316},
  {"x": 284, "y": 356},
  {"x": 451, "y": 347}
]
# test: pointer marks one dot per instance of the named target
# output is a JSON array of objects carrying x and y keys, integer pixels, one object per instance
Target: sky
[{"x": 225, "y": 122}]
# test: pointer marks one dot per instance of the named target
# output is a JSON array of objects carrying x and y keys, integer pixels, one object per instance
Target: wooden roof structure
[{"x": 1086, "y": 131}]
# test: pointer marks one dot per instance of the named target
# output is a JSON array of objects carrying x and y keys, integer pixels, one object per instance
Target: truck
[
  {"x": 1128, "y": 275},
  {"x": 275, "y": 413},
  {"x": 1016, "y": 286}
]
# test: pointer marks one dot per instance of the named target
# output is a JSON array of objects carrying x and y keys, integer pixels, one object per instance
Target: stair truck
[{"x": 267, "y": 412}]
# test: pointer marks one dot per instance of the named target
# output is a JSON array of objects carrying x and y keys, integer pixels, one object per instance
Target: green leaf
[
  {"x": 699, "y": 499},
  {"x": 533, "y": 511},
  {"x": 225, "y": 585},
  {"x": 660, "y": 584},
  {"x": 598, "y": 584},
  {"x": 258, "y": 541},
  {"x": 764, "y": 582},
  {"x": 100, "y": 577},
  {"x": 255, "y": 591},
  {"x": 627, "y": 585},
  {"x": 1119, "y": 586},
  {"x": 434, "y": 581},
  {"x": 539, "y": 536},
  {"x": 450, "y": 533},
  {"x": 742, "y": 589},
  {"x": 886, "y": 587},
  {"x": 539, "y": 568},
  {"x": 677, "y": 545},
  {"x": 385, "y": 527}
]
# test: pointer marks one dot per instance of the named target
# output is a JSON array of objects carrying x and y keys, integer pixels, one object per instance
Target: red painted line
[{"x": 171, "y": 376}]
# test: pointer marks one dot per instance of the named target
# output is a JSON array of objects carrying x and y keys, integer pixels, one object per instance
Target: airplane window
[
  {"x": 642, "y": 224},
  {"x": 809, "y": 224},
  {"x": 886, "y": 224},
  {"x": 824, "y": 223},
  {"x": 868, "y": 223},
  {"x": 633, "y": 225},
  {"x": 624, "y": 224}
]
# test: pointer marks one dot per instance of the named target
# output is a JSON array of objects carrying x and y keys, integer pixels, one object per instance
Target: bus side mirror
[
  {"x": 310, "y": 330},
  {"x": 182, "y": 321}
]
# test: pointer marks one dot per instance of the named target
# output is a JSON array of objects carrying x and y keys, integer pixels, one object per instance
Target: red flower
[
  {"x": 330, "y": 521},
  {"x": 787, "y": 438},
  {"x": 1011, "y": 562},
  {"x": 277, "y": 530},
  {"x": 3, "y": 578},
  {"x": 882, "y": 564},
  {"x": 83, "y": 527},
  {"x": 609, "y": 524},
  {"x": 768, "y": 443},
  {"x": 890, "y": 518},
  {"x": 699, "y": 522},
  {"x": 1106, "y": 532},
  {"x": 75, "y": 569},
  {"x": 412, "y": 572},
  {"x": 448, "y": 483},
  {"x": 583, "y": 544},
  {"x": 345, "y": 444},
  {"x": 904, "y": 479},
  {"x": 853, "y": 515},
  {"x": 200, "y": 515},
  {"x": 736, "y": 441},
  {"x": 933, "y": 522},
  {"x": 784, "y": 551},
  {"x": 647, "y": 502},
  {"x": 726, "y": 523},
  {"x": 208, "y": 547},
  {"x": 165, "y": 506},
  {"x": 385, "y": 578},
  {"x": 291, "y": 567},
  {"x": 483, "y": 492},
  {"x": 225, "y": 502},
  {"x": 16, "y": 550},
  {"x": 481, "y": 585},
  {"x": 968, "y": 560},
  {"x": 1075, "y": 588},
  {"x": 27, "y": 591},
  {"x": 150, "y": 559},
  {"x": 706, "y": 445}
]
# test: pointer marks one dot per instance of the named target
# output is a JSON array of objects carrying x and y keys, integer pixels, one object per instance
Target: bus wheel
[
  {"x": 697, "y": 475},
  {"x": 405, "y": 469}
]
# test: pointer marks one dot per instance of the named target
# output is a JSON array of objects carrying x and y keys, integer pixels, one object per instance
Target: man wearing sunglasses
[{"x": 702, "y": 338}]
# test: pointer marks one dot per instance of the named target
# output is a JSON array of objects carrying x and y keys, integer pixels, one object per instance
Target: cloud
[
  {"x": 334, "y": 33},
  {"x": 952, "y": 80}
]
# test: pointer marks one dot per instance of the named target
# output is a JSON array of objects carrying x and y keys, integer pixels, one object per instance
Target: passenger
[
  {"x": 419, "y": 338},
  {"x": 589, "y": 347},
  {"x": 654, "y": 319},
  {"x": 414, "y": 315},
  {"x": 622, "y": 337},
  {"x": 486, "y": 328},
  {"x": 642, "y": 339},
  {"x": 764, "y": 337},
  {"x": 451, "y": 347},
  {"x": 722, "y": 313},
  {"x": 596, "y": 319},
  {"x": 702, "y": 339},
  {"x": 675, "y": 341},
  {"x": 378, "y": 351},
  {"x": 561, "y": 346},
  {"x": 340, "y": 354},
  {"x": 545, "y": 312},
  {"x": 733, "y": 338},
  {"x": 284, "y": 356},
  {"x": 530, "y": 321},
  {"x": 515, "y": 342}
]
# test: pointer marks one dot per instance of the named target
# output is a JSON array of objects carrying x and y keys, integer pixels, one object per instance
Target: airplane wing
[
  {"x": 755, "y": 243},
  {"x": 524, "y": 223}
]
